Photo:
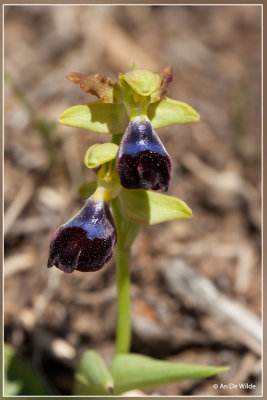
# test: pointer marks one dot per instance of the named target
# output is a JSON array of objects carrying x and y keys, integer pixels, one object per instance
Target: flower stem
[
  {"x": 123, "y": 336},
  {"x": 126, "y": 233},
  {"x": 122, "y": 251}
]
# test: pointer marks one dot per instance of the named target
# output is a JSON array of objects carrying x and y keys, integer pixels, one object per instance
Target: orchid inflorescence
[
  {"x": 137, "y": 162},
  {"x": 130, "y": 170}
]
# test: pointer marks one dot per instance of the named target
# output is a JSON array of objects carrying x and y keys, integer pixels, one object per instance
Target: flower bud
[
  {"x": 85, "y": 243},
  {"x": 143, "y": 162}
]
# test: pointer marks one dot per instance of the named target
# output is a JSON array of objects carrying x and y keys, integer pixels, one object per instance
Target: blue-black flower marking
[
  {"x": 85, "y": 243},
  {"x": 143, "y": 162}
]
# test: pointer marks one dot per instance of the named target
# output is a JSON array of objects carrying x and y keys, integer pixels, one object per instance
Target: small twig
[
  {"x": 225, "y": 182},
  {"x": 18, "y": 204},
  {"x": 201, "y": 294},
  {"x": 20, "y": 261}
]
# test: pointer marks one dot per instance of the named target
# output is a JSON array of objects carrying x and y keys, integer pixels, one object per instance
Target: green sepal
[
  {"x": 142, "y": 81},
  {"x": 87, "y": 189},
  {"x": 113, "y": 118},
  {"x": 134, "y": 371},
  {"x": 169, "y": 112},
  {"x": 92, "y": 374},
  {"x": 99, "y": 154},
  {"x": 20, "y": 378},
  {"x": 97, "y": 117},
  {"x": 147, "y": 208}
]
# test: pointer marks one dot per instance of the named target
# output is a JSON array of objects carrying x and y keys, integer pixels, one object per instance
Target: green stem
[
  {"x": 126, "y": 233},
  {"x": 123, "y": 336}
]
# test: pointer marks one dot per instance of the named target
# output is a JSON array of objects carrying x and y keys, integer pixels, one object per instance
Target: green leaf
[
  {"x": 99, "y": 154},
  {"x": 134, "y": 371},
  {"x": 147, "y": 208},
  {"x": 81, "y": 389},
  {"x": 97, "y": 117},
  {"x": 169, "y": 112},
  {"x": 93, "y": 372},
  {"x": 20, "y": 378},
  {"x": 126, "y": 230},
  {"x": 87, "y": 189}
]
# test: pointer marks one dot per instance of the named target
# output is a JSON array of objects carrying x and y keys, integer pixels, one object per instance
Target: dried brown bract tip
[
  {"x": 167, "y": 77},
  {"x": 102, "y": 87}
]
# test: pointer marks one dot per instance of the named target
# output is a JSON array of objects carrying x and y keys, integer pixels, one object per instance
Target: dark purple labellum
[
  {"x": 85, "y": 243},
  {"x": 143, "y": 162}
]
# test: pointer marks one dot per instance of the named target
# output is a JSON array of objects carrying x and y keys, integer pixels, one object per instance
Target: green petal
[
  {"x": 147, "y": 208},
  {"x": 92, "y": 371},
  {"x": 99, "y": 154},
  {"x": 97, "y": 117},
  {"x": 169, "y": 112},
  {"x": 134, "y": 371}
]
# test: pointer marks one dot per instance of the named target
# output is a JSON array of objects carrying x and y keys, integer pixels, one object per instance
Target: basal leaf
[
  {"x": 97, "y": 117},
  {"x": 92, "y": 372},
  {"x": 134, "y": 371},
  {"x": 20, "y": 378},
  {"x": 147, "y": 208},
  {"x": 99, "y": 154},
  {"x": 169, "y": 112},
  {"x": 82, "y": 389}
]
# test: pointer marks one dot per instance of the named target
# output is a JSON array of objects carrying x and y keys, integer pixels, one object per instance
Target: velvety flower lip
[
  {"x": 143, "y": 162},
  {"x": 85, "y": 243}
]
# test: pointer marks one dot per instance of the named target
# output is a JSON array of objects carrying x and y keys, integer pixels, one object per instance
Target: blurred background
[{"x": 196, "y": 284}]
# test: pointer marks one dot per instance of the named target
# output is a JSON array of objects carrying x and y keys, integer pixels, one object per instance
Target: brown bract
[
  {"x": 167, "y": 77},
  {"x": 102, "y": 87}
]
